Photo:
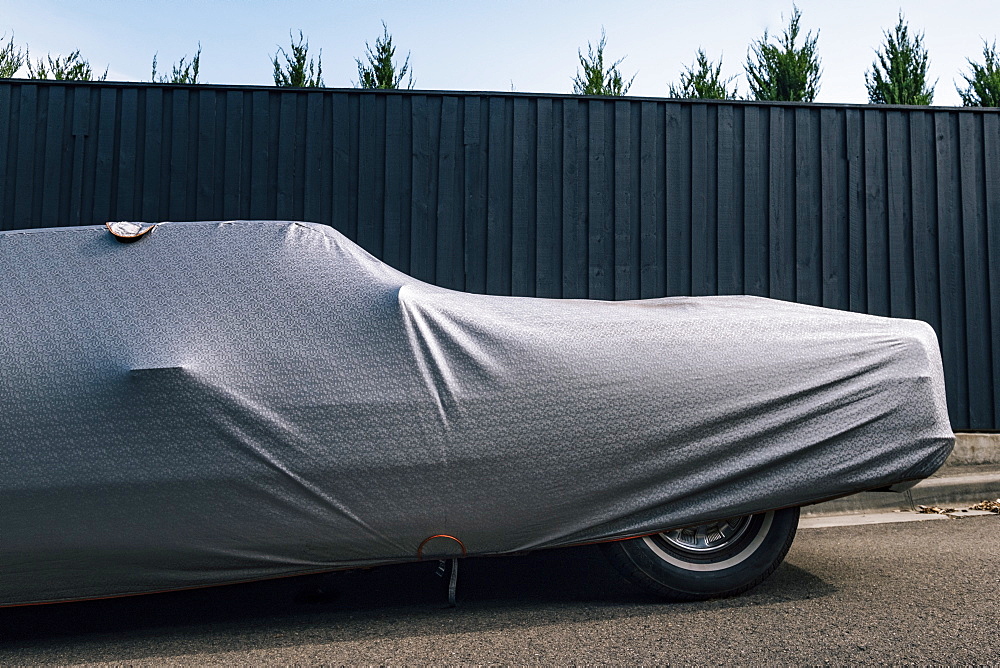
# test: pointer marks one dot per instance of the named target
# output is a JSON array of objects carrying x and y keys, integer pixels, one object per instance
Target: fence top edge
[{"x": 492, "y": 94}]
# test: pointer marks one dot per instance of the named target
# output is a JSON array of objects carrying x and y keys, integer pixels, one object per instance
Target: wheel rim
[
  {"x": 712, "y": 546},
  {"x": 705, "y": 539}
]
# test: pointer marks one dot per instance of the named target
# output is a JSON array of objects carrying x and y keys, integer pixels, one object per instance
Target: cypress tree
[
  {"x": 899, "y": 73},
  {"x": 379, "y": 70},
  {"x": 298, "y": 70},
  {"x": 183, "y": 72},
  {"x": 785, "y": 71},
  {"x": 704, "y": 80},
  {"x": 983, "y": 81},
  {"x": 595, "y": 79},
  {"x": 11, "y": 59},
  {"x": 71, "y": 68}
]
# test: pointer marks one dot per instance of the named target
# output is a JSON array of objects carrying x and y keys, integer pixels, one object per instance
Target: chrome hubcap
[{"x": 706, "y": 538}]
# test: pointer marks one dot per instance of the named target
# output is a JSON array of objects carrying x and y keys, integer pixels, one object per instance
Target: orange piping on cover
[{"x": 420, "y": 550}]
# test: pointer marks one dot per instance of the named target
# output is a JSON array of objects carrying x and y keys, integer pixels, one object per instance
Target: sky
[{"x": 520, "y": 45}]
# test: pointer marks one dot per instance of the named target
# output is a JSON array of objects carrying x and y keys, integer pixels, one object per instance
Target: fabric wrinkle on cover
[{"x": 227, "y": 401}]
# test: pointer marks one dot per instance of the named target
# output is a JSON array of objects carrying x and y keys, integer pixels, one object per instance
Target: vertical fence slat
[
  {"x": 351, "y": 162},
  {"x": 808, "y": 207},
  {"x": 834, "y": 210},
  {"x": 701, "y": 244},
  {"x": 233, "y": 157},
  {"x": 548, "y": 240},
  {"x": 498, "y": 225},
  {"x": 574, "y": 190},
  {"x": 85, "y": 123},
  {"x": 340, "y": 180},
  {"x": 926, "y": 297},
  {"x": 781, "y": 196},
  {"x": 423, "y": 206},
  {"x": 152, "y": 143},
  {"x": 380, "y": 194},
  {"x": 900, "y": 218},
  {"x": 259, "y": 154},
  {"x": 599, "y": 203},
  {"x": 207, "y": 186},
  {"x": 632, "y": 211},
  {"x": 177, "y": 194},
  {"x": 651, "y": 246},
  {"x": 52, "y": 174},
  {"x": 7, "y": 189},
  {"x": 24, "y": 158},
  {"x": 313, "y": 177},
  {"x": 395, "y": 237},
  {"x": 950, "y": 245},
  {"x": 523, "y": 197},
  {"x": 284, "y": 184},
  {"x": 678, "y": 185},
  {"x": 756, "y": 279},
  {"x": 858, "y": 279},
  {"x": 105, "y": 163},
  {"x": 977, "y": 306},
  {"x": 369, "y": 161},
  {"x": 450, "y": 260},
  {"x": 876, "y": 223},
  {"x": 476, "y": 164},
  {"x": 728, "y": 199},
  {"x": 625, "y": 267},
  {"x": 711, "y": 186},
  {"x": 191, "y": 148},
  {"x": 991, "y": 178}
]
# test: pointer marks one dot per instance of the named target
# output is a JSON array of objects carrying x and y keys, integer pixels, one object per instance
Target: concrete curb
[{"x": 970, "y": 475}]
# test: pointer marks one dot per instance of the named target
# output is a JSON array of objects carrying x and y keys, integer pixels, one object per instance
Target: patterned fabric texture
[{"x": 225, "y": 401}]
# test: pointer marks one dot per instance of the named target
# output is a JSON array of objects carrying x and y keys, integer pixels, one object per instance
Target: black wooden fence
[{"x": 888, "y": 210}]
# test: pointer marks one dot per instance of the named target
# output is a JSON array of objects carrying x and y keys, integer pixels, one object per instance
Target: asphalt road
[{"x": 920, "y": 592}]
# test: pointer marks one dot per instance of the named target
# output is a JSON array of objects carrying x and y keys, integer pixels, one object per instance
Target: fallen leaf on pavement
[
  {"x": 992, "y": 506},
  {"x": 934, "y": 510}
]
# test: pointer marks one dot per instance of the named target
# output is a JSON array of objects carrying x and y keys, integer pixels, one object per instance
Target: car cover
[{"x": 226, "y": 401}]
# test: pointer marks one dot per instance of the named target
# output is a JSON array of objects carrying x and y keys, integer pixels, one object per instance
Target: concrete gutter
[{"x": 970, "y": 475}]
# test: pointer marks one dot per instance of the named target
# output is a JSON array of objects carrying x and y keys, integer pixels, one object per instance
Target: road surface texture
[{"x": 916, "y": 592}]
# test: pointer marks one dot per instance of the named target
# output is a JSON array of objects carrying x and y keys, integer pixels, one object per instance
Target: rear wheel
[{"x": 710, "y": 560}]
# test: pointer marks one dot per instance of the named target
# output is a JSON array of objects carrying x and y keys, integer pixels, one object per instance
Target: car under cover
[{"x": 226, "y": 401}]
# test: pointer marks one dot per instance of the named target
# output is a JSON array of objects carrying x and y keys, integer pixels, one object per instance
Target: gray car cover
[{"x": 219, "y": 402}]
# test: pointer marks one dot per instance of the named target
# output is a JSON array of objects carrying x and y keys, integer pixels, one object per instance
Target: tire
[{"x": 711, "y": 560}]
